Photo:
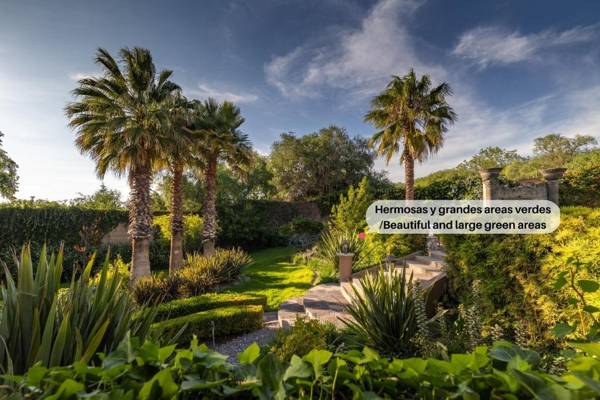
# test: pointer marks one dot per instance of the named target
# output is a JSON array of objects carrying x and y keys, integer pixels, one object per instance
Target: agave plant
[
  {"x": 333, "y": 242},
  {"x": 385, "y": 312},
  {"x": 42, "y": 323}
]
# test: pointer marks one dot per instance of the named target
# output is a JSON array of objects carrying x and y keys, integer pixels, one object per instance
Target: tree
[
  {"x": 9, "y": 180},
  {"x": 223, "y": 141},
  {"x": 349, "y": 215},
  {"x": 103, "y": 199},
  {"x": 490, "y": 157},
  {"x": 556, "y": 150},
  {"x": 120, "y": 120},
  {"x": 318, "y": 164},
  {"x": 412, "y": 119}
]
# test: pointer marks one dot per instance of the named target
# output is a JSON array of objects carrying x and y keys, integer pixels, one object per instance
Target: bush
[
  {"x": 304, "y": 336},
  {"x": 300, "y": 226},
  {"x": 192, "y": 231},
  {"x": 581, "y": 183},
  {"x": 216, "y": 322},
  {"x": 191, "y": 305},
  {"x": 519, "y": 274},
  {"x": 157, "y": 289},
  {"x": 137, "y": 371},
  {"x": 41, "y": 324}
]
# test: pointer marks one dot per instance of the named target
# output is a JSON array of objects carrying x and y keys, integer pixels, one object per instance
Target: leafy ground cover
[{"x": 272, "y": 274}]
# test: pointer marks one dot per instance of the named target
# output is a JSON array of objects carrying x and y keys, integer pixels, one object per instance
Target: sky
[{"x": 518, "y": 70}]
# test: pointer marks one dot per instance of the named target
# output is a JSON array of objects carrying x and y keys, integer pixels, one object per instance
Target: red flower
[{"x": 362, "y": 236}]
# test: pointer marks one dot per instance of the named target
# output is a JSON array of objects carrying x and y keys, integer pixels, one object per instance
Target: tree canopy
[{"x": 9, "y": 180}]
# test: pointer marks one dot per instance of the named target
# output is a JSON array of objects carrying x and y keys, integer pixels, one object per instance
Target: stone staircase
[{"x": 327, "y": 302}]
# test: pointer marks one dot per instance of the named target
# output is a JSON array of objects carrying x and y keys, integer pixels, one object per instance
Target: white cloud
[
  {"x": 204, "y": 90},
  {"x": 496, "y": 45},
  {"x": 360, "y": 60}
]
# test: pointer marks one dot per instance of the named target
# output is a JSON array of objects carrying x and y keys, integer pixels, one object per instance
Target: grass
[{"x": 273, "y": 275}]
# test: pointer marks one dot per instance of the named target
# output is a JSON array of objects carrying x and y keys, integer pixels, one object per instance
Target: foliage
[
  {"x": 273, "y": 275},
  {"x": 349, "y": 214},
  {"x": 518, "y": 274},
  {"x": 118, "y": 267},
  {"x": 384, "y": 312},
  {"x": 450, "y": 184},
  {"x": 205, "y": 302},
  {"x": 142, "y": 372},
  {"x": 332, "y": 243},
  {"x": 302, "y": 337},
  {"x": 555, "y": 150},
  {"x": 299, "y": 226},
  {"x": 40, "y": 325},
  {"x": 317, "y": 164},
  {"x": 581, "y": 183},
  {"x": 103, "y": 199},
  {"x": 212, "y": 323},
  {"x": 490, "y": 157},
  {"x": 192, "y": 231},
  {"x": 9, "y": 180},
  {"x": 79, "y": 230},
  {"x": 200, "y": 274}
]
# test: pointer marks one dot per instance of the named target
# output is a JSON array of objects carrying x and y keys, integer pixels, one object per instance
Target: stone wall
[{"x": 546, "y": 190}]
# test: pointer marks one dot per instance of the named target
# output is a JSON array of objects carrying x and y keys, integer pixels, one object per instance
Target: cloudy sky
[{"x": 518, "y": 69}]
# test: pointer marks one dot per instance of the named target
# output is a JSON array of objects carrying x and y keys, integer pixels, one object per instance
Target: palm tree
[
  {"x": 120, "y": 118},
  {"x": 412, "y": 119},
  {"x": 219, "y": 124}
]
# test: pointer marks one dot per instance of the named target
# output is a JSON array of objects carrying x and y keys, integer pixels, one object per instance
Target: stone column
[
  {"x": 489, "y": 179},
  {"x": 552, "y": 177},
  {"x": 345, "y": 267}
]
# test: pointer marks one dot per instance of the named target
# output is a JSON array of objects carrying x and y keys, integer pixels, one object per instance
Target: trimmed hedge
[
  {"x": 205, "y": 302},
  {"x": 227, "y": 321}
]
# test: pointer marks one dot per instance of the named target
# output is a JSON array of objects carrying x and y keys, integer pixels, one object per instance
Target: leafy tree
[
  {"x": 219, "y": 125},
  {"x": 412, "y": 118},
  {"x": 120, "y": 119},
  {"x": 9, "y": 180},
  {"x": 103, "y": 199},
  {"x": 318, "y": 164},
  {"x": 556, "y": 150},
  {"x": 490, "y": 157},
  {"x": 349, "y": 214}
]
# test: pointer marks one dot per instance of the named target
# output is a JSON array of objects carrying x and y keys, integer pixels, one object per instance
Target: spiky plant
[{"x": 42, "y": 323}]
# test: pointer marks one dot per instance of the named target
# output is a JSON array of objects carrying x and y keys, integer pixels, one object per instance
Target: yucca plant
[
  {"x": 223, "y": 266},
  {"x": 40, "y": 322},
  {"x": 332, "y": 243},
  {"x": 384, "y": 312}
]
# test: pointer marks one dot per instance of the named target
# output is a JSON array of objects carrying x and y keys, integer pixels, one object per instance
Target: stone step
[
  {"x": 437, "y": 253},
  {"x": 421, "y": 267},
  {"x": 289, "y": 311},
  {"x": 429, "y": 259}
]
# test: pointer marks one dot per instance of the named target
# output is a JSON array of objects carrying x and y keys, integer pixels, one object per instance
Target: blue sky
[{"x": 518, "y": 69}]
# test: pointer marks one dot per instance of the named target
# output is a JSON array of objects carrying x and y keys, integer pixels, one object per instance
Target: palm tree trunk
[
  {"x": 176, "y": 256},
  {"x": 409, "y": 175},
  {"x": 210, "y": 210},
  {"x": 140, "y": 221}
]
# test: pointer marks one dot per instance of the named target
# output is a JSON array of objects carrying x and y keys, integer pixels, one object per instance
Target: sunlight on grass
[{"x": 272, "y": 274}]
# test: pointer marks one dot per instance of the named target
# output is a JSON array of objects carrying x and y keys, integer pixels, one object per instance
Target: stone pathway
[{"x": 327, "y": 302}]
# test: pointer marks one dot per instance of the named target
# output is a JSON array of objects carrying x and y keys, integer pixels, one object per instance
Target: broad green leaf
[
  {"x": 562, "y": 329},
  {"x": 588, "y": 286},
  {"x": 318, "y": 358},
  {"x": 298, "y": 369},
  {"x": 161, "y": 386},
  {"x": 591, "y": 309},
  {"x": 561, "y": 280},
  {"x": 592, "y": 349},
  {"x": 250, "y": 354}
]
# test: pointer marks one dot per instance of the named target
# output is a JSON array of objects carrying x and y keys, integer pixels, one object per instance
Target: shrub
[
  {"x": 157, "y": 289},
  {"x": 304, "y": 336},
  {"x": 332, "y": 243},
  {"x": 191, "y": 305},
  {"x": 581, "y": 183},
  {"x": 192, "y": 231},
  {"x": 299, "y": 226},
  {"x": 39, "y": 324},
  {"x": 212, "y": 323},
  {"x": 385, "y": 312},
  {"x": 137, "y": 371},
  {"x": 518, "y": 274}
]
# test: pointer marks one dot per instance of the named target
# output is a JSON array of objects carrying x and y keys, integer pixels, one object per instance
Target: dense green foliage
[
  {"x": 209, "y": 301},
  {"x": 518, "y": 276},
  {"x": 218, "y": 322},
  {"x": 148, "y": 371},
  {"x": 318, "y": 164},
  {"x": 39, "y": 324},
  {"x": 102, "y": 199},
  {"x": 9, "y": 180},
  {"x": 581, "y": 183},
  {"x": 450, "y": 184},
  {"x": 192, "y": 231},
  {"x": 304, "y": 336}
]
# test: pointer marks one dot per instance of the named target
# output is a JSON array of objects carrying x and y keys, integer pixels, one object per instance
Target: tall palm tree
[
  {"x": 219, "y": 124},
  {"x": 412, "y": 119},
  {"x": 120, "y": 118}
]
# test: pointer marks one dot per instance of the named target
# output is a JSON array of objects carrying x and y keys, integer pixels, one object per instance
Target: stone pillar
[
  {"x": 489, "y": 179},
  {"x": 345, "y": 267},
  {"x": 552, "y": 177}
]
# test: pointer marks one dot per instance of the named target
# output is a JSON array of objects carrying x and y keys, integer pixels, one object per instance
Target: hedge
[
  {"x": 227, "y": 321},
  {"x": 205, "y": 302}
]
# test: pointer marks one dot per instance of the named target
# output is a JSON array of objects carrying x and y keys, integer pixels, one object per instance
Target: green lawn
[{"x": 273, "y": 275}]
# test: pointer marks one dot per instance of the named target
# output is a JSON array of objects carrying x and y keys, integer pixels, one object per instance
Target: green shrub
[
  {"x": 386, "y": 314},
  {"x": 300, "y": 226},
  {"x": 581, "y": 183},
  {"x": 304, "y": 336},
  {"x": 192, "y": 231},
  {"x": 218, "y": 322},
  {"x": 157, "y": 289},
  {"x": 139, "y": 371},
  {"x": 191, "y": 305},
  {"x": 518, "y": 274},
  {"x": 42, "y": 323}
]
